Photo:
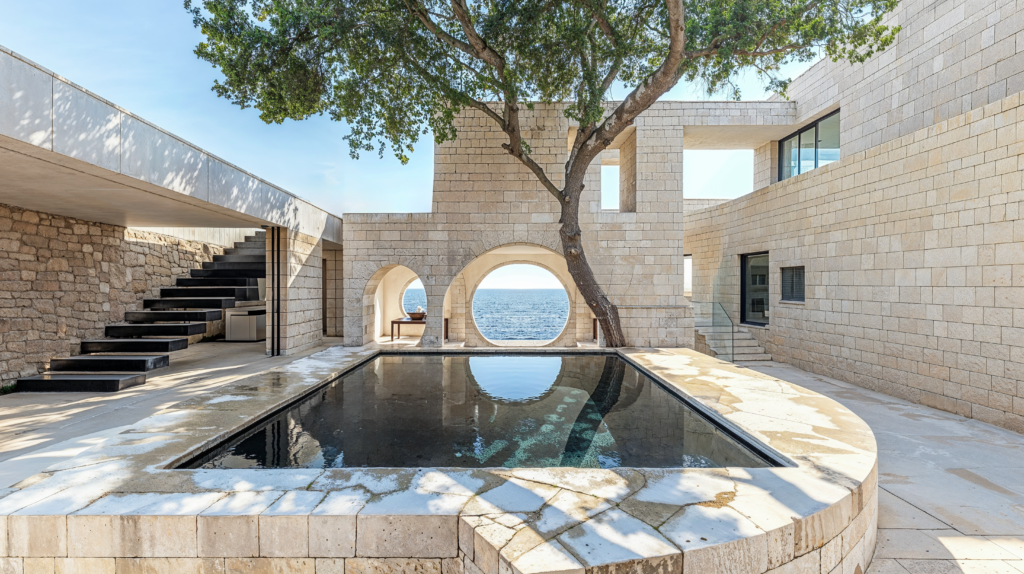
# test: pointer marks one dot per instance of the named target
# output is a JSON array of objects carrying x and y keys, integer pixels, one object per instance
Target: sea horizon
[{"x": 536, "y": 315}]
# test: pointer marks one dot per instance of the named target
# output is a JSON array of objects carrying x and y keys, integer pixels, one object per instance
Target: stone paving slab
[{"x": 948, "y": 502}]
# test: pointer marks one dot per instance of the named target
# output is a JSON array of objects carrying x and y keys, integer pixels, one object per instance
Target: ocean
[{"x": 519, "y": 314}]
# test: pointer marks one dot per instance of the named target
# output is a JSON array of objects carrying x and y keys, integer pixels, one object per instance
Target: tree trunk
[{"x": 572, "y": 247}]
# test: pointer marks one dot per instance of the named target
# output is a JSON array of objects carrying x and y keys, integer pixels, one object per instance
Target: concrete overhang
[{"x": 66, "y": 151}]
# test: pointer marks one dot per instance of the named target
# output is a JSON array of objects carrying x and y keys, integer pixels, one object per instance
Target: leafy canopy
[{"x": 398, "y": 69}]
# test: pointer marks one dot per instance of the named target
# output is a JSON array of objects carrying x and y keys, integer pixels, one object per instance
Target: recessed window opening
[
  {"x": 814, "y": 146},
  {"x": 415, "y": 298},
  {"x": 793, "y": 284},
  {"x": 520, "y": 302},
  {"x": 610, "y": 187}
]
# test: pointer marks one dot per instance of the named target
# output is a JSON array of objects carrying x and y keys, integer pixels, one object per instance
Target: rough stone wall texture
[
  {"x": 62, "y": 280},
  {"x": 914, "y": 258},
  {"x": 484, "y": 199},
  {"x": 301, "y": 292}
]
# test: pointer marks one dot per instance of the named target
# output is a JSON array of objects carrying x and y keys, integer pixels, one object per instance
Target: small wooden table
[{"x": 406, "y": 321}]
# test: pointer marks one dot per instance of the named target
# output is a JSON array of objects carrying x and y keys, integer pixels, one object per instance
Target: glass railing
[{"x": 711, "y": 320}]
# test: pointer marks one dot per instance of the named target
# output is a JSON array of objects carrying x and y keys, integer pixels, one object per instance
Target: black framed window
[
  {"x": 812, "y": 147},
  {"x": 793, "y": 284},
  {"x": 754, "y": 288}
]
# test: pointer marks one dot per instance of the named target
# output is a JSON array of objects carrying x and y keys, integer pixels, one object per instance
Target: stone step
[
  {"x": 251, "y": 273},
  {"x": 189, "y": 303},
  {"x": 737, "y": 350},
  {"x": 173, "y": 316},
  {"x": 749, "y": 358},
  {"x": 261, "y": 236},
  {"x": 134, "y": 345},
  {"x": 237, "y": 293},
  {"x": 241, "y": 258},
  {"x": 110, "y": 363},
  {"x": 726, "y": 336},
  {"x": 737, "y": 343},
  {"x": 216, "y": 282},
  {"x": 161, "y": 330},
  {"x": 71, "y": 383}
]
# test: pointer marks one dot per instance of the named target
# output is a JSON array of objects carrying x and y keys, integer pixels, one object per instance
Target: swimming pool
[{"x": 483, "y": 411}]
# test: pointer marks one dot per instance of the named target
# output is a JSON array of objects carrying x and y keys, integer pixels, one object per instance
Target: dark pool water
[{"x": 589, "y": 411}]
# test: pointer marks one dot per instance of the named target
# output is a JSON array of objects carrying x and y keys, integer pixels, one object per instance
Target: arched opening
[
  {"x": 385, "y": 301},
  {"x": 521, "y": 303}
]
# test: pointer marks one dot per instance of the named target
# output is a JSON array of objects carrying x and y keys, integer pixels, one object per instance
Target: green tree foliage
[{"x": 396, "y": 70}]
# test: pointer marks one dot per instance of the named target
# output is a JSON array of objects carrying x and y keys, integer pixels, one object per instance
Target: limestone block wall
[
  {"x": 301, "y": 292},
  {"x": 627, "y": 174},
  {"x": 485, "y": 199},
  {"x": 62, "y": 280},
  {"x": 333, "y": 316},
  {"x": 766, "y": 165},
  {"x": 914, "y": 258},
  {"x": 950, "y": 57},
  {"x": 455, "y": 309}
]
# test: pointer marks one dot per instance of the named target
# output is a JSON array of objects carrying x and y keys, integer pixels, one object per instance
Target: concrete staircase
[
  {"x": 143, "y": 342},
  {"x": 745, "y": 347}
]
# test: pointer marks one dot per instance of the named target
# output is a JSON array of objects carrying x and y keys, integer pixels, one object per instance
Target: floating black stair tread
[
  {"x": 68, "y": 383},
  {"x": 161, "y": 330},
  {"x": 243, "y": 258},
  {"x": 189, "y": 303},
  {"x": 253, "y": 273},
  {"x": 164, "y": 316},
  {"x": 134, "y": 345},
  {"x": 216, "y": 282},
  {"x": 241, "y": 293},
  {"x": 235, "y": 265},
  {"x": 107, "y": 363}
]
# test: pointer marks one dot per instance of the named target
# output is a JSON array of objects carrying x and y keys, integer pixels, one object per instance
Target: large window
[
  {"x": 814, "y": 146},
  {"x": 754, "y": 288}
]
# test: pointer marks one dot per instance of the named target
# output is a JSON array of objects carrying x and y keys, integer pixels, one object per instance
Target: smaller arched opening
[
  {"x": 387, "y": 317},
  {"x": 520, "y": 303}
]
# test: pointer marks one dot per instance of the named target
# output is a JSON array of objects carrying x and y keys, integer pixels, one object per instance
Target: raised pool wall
[{"x": 122, "y": 508}]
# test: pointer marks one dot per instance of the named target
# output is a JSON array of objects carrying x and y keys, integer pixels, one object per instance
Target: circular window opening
[
  {"x": 414, "y": 299},
  {"x": 520, "y": 302}
]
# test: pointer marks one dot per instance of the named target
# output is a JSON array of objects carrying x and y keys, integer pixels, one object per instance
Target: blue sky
[{"x": 139, "y": 55}]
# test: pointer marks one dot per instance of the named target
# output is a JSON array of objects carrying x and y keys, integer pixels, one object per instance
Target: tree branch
[{"x": 644, "y": 95}]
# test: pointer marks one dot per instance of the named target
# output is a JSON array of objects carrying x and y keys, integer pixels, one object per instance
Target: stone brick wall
[
  {"x": 627, "y": 174},
  {"x": 302, "y": 294},
  {"x": 951, "y": 57},
  {"x": 766, "y": 165},
  {"x": 485, "y": 199},
  {"x": 62, "y": 280},
  {"x": 333, "y": 298},
  {"x": 914, "y": 258}
]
